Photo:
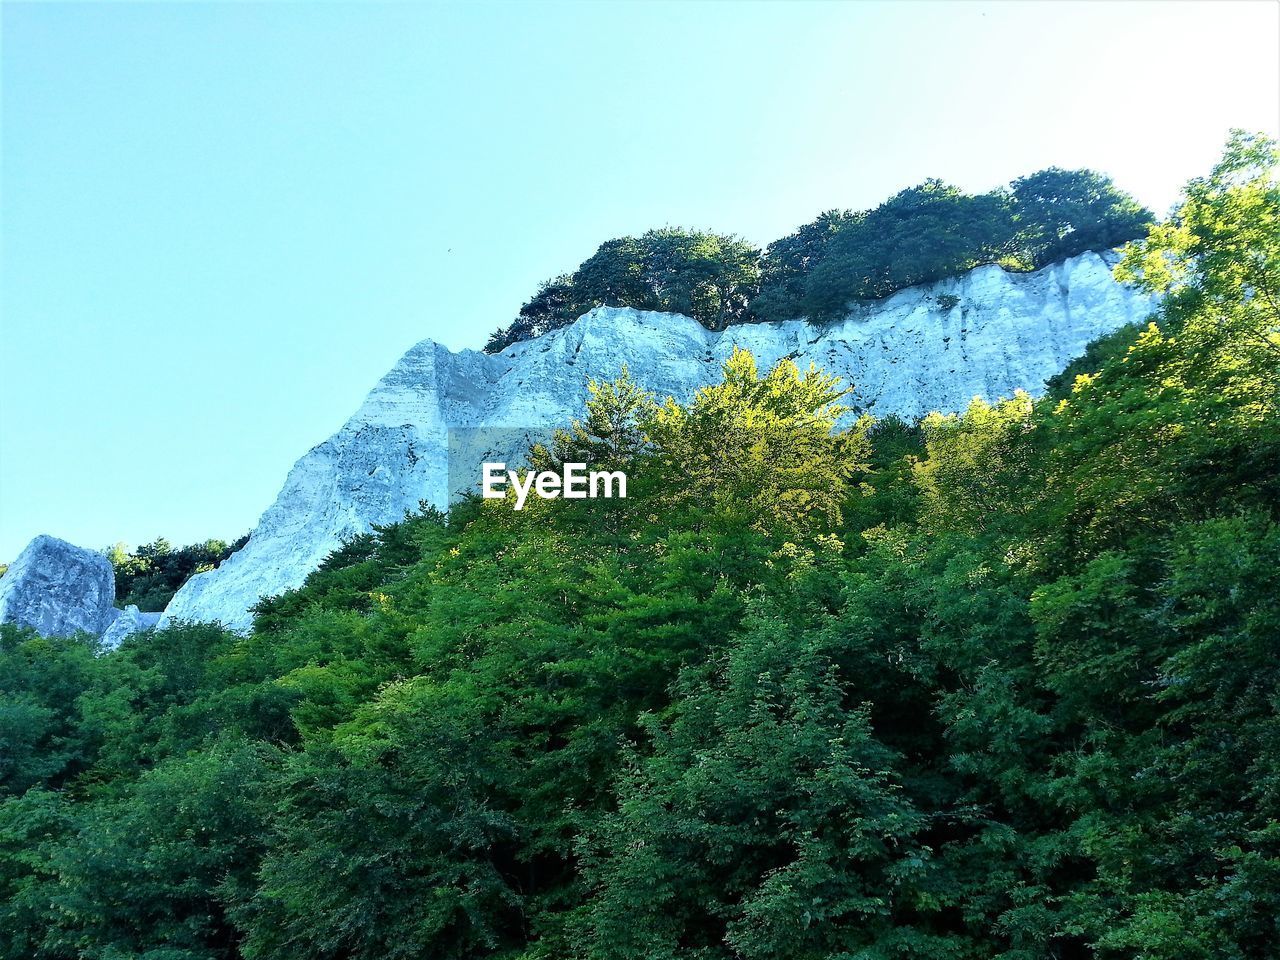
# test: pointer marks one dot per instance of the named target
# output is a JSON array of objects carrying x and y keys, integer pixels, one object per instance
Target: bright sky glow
[{"x": 222, "y": 223}]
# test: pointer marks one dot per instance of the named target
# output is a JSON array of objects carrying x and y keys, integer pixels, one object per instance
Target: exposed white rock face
[
  {"x": 128, "y": 621},
  {"x": 906, "y": 354},
  {"x": 58, "y": 589}
]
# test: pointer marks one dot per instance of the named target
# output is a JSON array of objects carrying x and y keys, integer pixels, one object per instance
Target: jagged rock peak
[
  {"x": 59, "y": 589},
  {"x": 933, "y": 347}
]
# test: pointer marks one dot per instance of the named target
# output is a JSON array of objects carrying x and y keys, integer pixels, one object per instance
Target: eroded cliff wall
[{"x": 908, "y": 354}]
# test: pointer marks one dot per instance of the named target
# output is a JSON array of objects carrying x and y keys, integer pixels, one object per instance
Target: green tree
[
  {"x": 155, "y": 872},
  {"x": 763, "y": 449},
  {"x": 150, "y": 575},
  {"x": 764, "y": 823},
  {"x": 613, "y": 433},
  {"x": 1218, "y": 255},
  {"x": 922, "y": 234},
  {"x": 999, "y": 684},
  {"x": 708, "y": 276},
  {"x": 1062, "y": 213},
  {"x": 788, "y": 262}
]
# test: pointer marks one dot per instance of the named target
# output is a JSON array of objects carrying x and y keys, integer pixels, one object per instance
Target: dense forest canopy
[
  {"x": 922, "y": 234},
  {"x": 997, "y": 684},
  {"x": 150, "y": 575}
]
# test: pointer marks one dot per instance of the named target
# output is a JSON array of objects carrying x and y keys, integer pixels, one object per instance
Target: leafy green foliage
[
  {"x": 933, "y": 231},
  {"x": 1060, "y": 213},
  {"x": 997, "y": 684},
  {"x": 710, "y": 277},
  {"x": 764, "y": 821},
  {"x": 150, "y": 575},
  {"x": 785, "y": 269},
  {"x": 922, "y": 234}
]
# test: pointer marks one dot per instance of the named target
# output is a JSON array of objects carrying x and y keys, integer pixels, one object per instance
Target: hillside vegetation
[
  {"x": 1002, "y": 684},
  {"x": 151, "y": 574},
  {"x": 922, "y": 234}
]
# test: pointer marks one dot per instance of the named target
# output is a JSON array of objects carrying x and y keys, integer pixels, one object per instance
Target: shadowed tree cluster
[{"x": 150, "y": 575}]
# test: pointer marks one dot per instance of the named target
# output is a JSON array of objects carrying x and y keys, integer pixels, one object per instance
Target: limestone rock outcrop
[
  {"x": 128, "y": 621},
  {"x": 59, "y": 589},
  {"x": 424, "y": 428}
]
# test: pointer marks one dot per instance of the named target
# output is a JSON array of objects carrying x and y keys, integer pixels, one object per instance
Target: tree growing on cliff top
[
  {"x": 710, "y": 277},
  {"x": 921, "y": 234}
]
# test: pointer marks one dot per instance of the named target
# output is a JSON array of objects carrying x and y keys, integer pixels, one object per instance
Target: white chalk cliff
[
  {"x": 908, "y": 354},
  {"x": 59, "y": 589}
]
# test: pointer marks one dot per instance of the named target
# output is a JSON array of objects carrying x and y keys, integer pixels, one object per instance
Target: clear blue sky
[{"x": 223, "y": 222}]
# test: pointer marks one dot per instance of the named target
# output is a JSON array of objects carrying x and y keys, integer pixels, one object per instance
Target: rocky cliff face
[
  {"x": 986, "y": 333},
  {"x": 59, "y": 589}
]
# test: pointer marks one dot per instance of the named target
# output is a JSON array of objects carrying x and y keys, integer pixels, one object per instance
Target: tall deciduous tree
[{"x": 1061, "y": 213}]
